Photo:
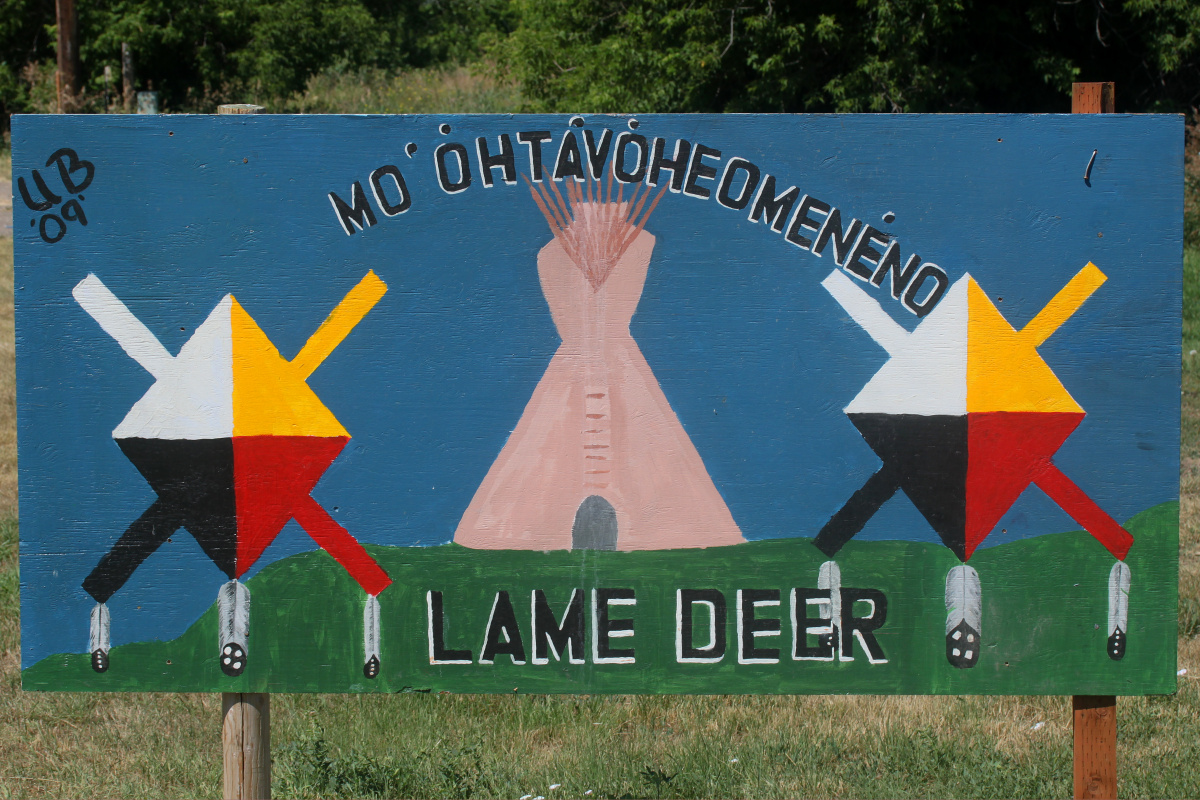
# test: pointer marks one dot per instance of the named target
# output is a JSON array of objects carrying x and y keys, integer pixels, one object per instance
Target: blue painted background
[{"x": 755, "y": 357}]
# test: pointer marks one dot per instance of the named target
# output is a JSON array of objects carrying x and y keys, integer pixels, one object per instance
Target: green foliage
[
  {"x": 1191, "y": 208},
  {"x": 201, "y": 53},
  {"x": 636, "y": 55},
  {"x": 310, "y": 767},
  {"x": 425, "y": 33},
  {"x": 1191, "y": 305},
  {"x": 1170, "y": 33},
  {"x": 431, "y": 90},
  {"x": 13, "y": 91},
  {"x": 313, "y": 767},
  {"x": 181, "y": 49},
  {"x": 23, "y": 39},
  {"x": 289, "y": 40},
  {"x": 877, "y": 55},
  {"x": 1191, "y": 187}
]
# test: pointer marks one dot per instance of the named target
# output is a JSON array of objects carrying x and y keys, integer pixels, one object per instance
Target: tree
[
  {"x": 185, "y": 49},
  {"x": 200, "y": 53},
  {"x": 23, "y": 40},
  {"x": 644, "y": 55},
  {"x": 877, "y": 55}
]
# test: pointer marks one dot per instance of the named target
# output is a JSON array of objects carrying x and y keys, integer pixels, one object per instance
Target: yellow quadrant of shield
[
  {"x": 270, "y": 396},
  {"x": 1004, "y": 370}
]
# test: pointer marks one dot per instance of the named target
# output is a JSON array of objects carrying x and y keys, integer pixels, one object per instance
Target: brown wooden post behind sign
[
  {"x": 68, "y": 56},
  {"x": 1095, "y": 716},
  {"x": 246, "y": 718},
  {"x": 1093, "y": 98}
]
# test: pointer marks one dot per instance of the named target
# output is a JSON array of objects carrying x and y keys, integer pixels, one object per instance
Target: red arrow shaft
[
  {"x": 345, "y": 549},
  {"x": 1084, "y": 510}
]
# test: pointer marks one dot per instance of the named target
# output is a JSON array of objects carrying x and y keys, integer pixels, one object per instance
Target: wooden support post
[
  {"x": 246, "y": 746},
  {"x": 1095, "y": 746},
  {"x": 1095, "y": 716},
  {"x": 246, "y": 726},
  {"x": 1093, "y": 98},
  {"x": 68, "y": 56}
]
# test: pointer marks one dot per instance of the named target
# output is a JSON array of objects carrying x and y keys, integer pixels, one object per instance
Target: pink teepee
[{"x": 598, "y": 460}]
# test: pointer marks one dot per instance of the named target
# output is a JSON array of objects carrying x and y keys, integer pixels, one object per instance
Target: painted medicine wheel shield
[
  {"x": 965, "y": 415},
  {"x": 233, "y": 441}
]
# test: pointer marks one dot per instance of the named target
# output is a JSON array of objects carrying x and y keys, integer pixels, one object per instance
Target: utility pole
[{"x": 68, "y": 56}]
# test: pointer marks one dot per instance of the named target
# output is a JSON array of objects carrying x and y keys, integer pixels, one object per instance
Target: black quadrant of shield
[
  {"x": 926, "y": 457},
  {"x": 193, "y": 479}
]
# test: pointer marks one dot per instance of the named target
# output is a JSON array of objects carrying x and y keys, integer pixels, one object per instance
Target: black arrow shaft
[
  {"x": 862, "y": 505},
  {"x": 138, "y": 542}
]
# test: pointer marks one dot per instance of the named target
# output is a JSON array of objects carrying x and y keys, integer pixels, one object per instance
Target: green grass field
[{"x": 436, "y": 745}]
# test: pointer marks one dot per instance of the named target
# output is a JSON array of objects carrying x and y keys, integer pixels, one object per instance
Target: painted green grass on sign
[{"x": 1044, "y": 623}]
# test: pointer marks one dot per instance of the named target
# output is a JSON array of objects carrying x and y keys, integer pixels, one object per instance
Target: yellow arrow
[
  {"x": 354, "y": 306},
  {"x": 1064, "y": 304}
]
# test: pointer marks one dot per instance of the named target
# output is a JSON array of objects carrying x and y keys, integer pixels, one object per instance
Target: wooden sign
[{"x": 878, "y": 404}]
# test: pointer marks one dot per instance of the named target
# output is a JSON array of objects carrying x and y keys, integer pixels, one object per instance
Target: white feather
[
  {"x": 830, "y": 579},
  {"x": 964, "y": 598},
  {"x": 1118, "y": 597},
  {"x": 100, "y": 629},
  {"x": 233, "y": 614},
  {"x": 371, "y": 628}
]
